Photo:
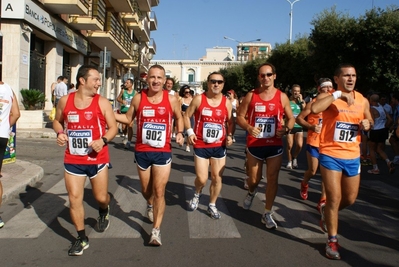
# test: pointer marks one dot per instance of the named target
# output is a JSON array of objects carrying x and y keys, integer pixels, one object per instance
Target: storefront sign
[{"x": 32, "y": 13}]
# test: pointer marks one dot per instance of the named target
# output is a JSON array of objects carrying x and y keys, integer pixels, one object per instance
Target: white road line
[
  {"x": 199, "y": 222},
  {"x": 128, "y": 211}
]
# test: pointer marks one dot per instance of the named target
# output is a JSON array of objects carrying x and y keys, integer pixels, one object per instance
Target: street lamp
[
  {"x": 291, "y": 13},
  {"x": 240, "y": 44},
  {"x": 137, "y": 57}
]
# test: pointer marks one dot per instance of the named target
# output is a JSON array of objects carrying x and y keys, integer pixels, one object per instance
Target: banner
[{"x": 9, "y": 154}]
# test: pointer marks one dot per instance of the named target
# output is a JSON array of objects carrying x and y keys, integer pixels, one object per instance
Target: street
[{"x": 38, "y": 228}]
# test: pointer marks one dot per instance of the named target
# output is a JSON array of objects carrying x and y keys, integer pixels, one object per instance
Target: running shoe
[
  {"x": 174, "y": 135},
  {"x": 267, "y": 219},
  {"x": 391, "y": 167},
  {"x": 193, "y": 205},
  {"x": 1, "y": 223},
  {"x": 103, "y": 222},
  {"x": 332, "y": 247},
  {"x": 234, "y": 140},
  {"x": 289, "y": 165},
  {"x": 322, "y": 223},
  {"x": 304, "y": 191},
  {"x": 213, "y": 212},
  {"x": 78, "y": 246},
  {"x": 127, "y": 146},
  {"x": 187, "y": 148},
  {"x": 155, "y": 239},
  {"x": 322, "y": 202},
  {"x": 294, "y": 164},
  {"x": 150, "y": 213},
  {"x": 374, "y": 171},
  {"x": 248, "y": 201}
]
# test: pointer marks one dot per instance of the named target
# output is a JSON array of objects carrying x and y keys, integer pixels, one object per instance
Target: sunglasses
[
  {"x": 187, "y": 92},
  {"x": 269, "y": 74},
  {"x": 217, "y": 81}
]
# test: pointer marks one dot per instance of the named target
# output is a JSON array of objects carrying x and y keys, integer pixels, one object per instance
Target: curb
[{"x": 18, "y": 175}]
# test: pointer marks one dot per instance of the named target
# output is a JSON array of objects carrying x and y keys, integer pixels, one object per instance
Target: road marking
[
  {"x": 31, "y": 222},
  {"x": 128, "y": 211},
  {"x": 200, "y": 224}
]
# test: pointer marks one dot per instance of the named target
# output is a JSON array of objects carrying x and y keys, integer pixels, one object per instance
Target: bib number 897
[{"x": 212, "y": 133}]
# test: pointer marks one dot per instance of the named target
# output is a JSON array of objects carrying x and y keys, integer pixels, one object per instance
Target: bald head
[{"x": 374, "y": 98}]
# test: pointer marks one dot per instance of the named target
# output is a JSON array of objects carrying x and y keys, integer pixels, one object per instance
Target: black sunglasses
[
  {"x": 217, "y": 81},
  {"x": 269, "y": 74},
  {"x": 187, "y": 92}
]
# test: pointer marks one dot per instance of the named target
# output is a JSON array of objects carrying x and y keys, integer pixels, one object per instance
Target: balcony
[
  {"x": 95, "y": 21},
  {"x": 152, "y": 46},
  {"x": 145, "y": 5},
  {"x": 130, "y": 18},
  {"x": 142, "y": 31},
  {"x": 115, "y": 38},
  {"x": 78, "y": 7},
  {"x": 154, "y": 3},
  {"x": 153, "y": 22},
  {"x": 123, "y": 5}
]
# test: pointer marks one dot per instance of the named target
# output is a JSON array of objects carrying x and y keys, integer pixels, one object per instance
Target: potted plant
[{"x": 33, "y": 101}]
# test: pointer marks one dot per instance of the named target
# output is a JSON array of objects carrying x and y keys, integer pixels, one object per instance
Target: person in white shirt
[{"x": 61, "y": 89}]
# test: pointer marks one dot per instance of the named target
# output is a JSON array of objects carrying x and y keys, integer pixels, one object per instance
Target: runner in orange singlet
[{"x": 345, "y": 114}]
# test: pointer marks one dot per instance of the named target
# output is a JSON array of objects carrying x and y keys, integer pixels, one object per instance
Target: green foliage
[{"x": 32, "y": 99}]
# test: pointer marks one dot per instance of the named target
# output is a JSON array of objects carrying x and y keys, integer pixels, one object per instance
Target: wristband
[
  {"x": 337, "y": 94},
  {"x": 190, "y": 131},
  {"x": 60, "y": 132}
]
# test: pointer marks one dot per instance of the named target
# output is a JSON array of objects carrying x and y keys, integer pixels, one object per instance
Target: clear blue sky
[{"x": 187, "y": 27}]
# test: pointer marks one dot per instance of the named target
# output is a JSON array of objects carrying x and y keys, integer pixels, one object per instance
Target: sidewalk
[{"x": 17, "y": 175}]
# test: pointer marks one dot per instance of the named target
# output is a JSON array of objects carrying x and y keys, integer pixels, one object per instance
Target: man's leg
[
  {"x": 313, "y": 164},
  {"x": 290, "y": 143},
  {"x": 217, "y": 168},
  {"x": 160, "y": 177},
  {"x": 75, "y": 188},
  {"x": 298, "y": 144},
  {"x": 99, "y": 186},
  {"x": 273, "y": 168},
  {"x": 350, "y": 190}
]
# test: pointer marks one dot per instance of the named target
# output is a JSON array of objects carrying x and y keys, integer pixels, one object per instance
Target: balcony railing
[
  {"x": 152, "y": 46},
  {"x": 94, "y": 20},
  {"x": 115, "y": 28},
  {"x": 153, "y": 21},
  {"x": 99, "y": 10},
  {"x": 78, "y": 7}
]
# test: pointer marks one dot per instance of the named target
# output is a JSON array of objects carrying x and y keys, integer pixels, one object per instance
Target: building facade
[{"x": 44, "y": 39}]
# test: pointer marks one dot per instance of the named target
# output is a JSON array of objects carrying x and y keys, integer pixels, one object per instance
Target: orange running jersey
[
  {"x": 340, "y": 135},
  {"x": 313, "y": 138}
]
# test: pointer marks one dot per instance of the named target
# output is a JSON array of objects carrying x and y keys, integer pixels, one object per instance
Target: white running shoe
[
  {"x": 150, "y": 213},
  {"x": 268, "y": 220},
  {"x": 155, "y": 239},
  {"x": 289, "y": 165},
  {"x": 294, "y": 164},
  {"x": 193, "y": 205}
]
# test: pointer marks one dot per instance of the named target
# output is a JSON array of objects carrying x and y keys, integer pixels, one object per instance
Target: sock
[
  {"x": 375, "y": 166},
  {"x": 103, "y": 211},
  {"x": 212, "y": 205},
  {"x": 267, "y": 211},
  {"x": 149, "y": 206},
  {"x": 82, "y": 235},
  {"x": 332, "y": 238}
]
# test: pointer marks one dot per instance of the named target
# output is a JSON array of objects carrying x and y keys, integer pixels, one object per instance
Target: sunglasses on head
[
  {"x": 217, "y": 81},
  {"x": 263, "y": 75}
]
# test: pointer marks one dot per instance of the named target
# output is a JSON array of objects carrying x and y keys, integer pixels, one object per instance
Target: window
[{"x": 191, "y": 75}]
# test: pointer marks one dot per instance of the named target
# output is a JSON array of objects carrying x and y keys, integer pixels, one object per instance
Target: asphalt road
[{"x": 38, "y": 229}]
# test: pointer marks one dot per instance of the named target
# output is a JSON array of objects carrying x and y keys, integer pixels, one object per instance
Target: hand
[
  {"x": 254, "y": 131},
  {"x": 97, "y": 145},
  {"x": 62, "y": 139},
  {"x": 191, "y": 139},
  {"x": 229, "y": 140},
  {"x": 365, "y": 124},
  {"x": 299, "y": 98},
  {"x": 179, "y": 139},
  {"x": 317, "y": 128},
  {"x": 281, "y": 132}
]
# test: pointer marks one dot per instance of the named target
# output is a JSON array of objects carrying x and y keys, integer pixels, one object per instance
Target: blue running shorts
[
  {"x": 146, "y": 159},
  {"x": 349, "y": 167}
]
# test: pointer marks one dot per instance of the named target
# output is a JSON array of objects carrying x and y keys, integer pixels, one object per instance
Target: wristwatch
[{"x": 105, "y": 140}]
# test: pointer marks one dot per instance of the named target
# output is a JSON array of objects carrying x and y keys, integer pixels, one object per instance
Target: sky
[{"x": 186, "y": 28}]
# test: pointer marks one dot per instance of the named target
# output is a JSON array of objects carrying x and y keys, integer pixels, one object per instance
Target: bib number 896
[{"x": 80, "y": 143}]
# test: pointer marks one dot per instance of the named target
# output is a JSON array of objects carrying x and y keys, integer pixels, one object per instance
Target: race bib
[
  {"x": 345, "y": 132},
  {"x": 78, "y": 142},
  {"x": 154, "y": 134},
  {"x": 267, "y": 127},
  {"x": 212, "y": 132},
  {"x": 128, "y": 101}
]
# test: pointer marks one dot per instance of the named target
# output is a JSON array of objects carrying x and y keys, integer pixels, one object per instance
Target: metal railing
[
  {"x": 99, "y": 10},
  {"x": 115, "y": 28}
]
